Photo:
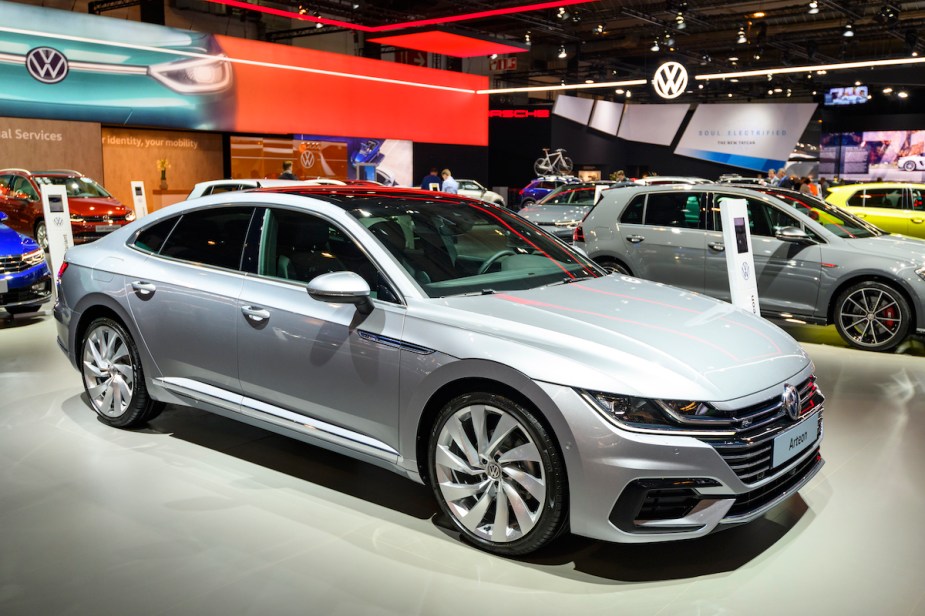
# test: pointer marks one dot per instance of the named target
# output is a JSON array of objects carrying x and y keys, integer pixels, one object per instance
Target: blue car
[
  {"x": 542, "y": 186},
  {"x": 25, "y": 281}
]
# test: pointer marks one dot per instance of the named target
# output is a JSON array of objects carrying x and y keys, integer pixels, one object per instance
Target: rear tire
[
  {"x": 909, "y": 165},
  {"x": 41, "y": 235},
  {"x": 872, "y": 316},
  {"x": 613, "y": 266},
  {"x": 497, "y": 474},
  {"x": 112, "y": 375}
]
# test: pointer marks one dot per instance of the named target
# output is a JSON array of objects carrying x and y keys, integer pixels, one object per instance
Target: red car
[{"x": 94, "y": 212}]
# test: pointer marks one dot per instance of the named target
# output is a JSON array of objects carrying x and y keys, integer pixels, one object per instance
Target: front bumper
[
  {"x": 29, "y": 287},
  {"x": 629, "y": 487}
]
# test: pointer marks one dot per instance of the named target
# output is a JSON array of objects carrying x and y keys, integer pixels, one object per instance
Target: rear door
[
  {"x": 882, "y": 207},
  {"x": 668, "y": 244}
]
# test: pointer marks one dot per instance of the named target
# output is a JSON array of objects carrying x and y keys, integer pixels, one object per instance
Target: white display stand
[
  {"x": 139, "y": 201},
  {"x": 57, "y": 224},
  {"x": 740, "y": 261}
]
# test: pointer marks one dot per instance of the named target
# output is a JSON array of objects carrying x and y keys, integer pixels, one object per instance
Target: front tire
[
  {"x": 909, "y": 165},
  {"x": 497, "y": 474},
  {"x": 872, "y": 316},
  {"x": 41, "y": 235},
  {"x": 112, "y": 375}
]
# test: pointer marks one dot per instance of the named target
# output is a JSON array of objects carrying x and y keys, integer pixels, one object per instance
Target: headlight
[
  {"x": 35, "y": 257},
  {"x": 130, "y": 216},
  {"x": 194, "y": 76},
  {"x": 76, "y": 218},
  {"x": 651, "y": 415},
  {"x": 921, "y": 272}
]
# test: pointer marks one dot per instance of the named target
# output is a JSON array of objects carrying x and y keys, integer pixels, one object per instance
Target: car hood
[
  {"x": 95, "y": 206},
  {"x": 892, "y": 246},
  {"x": 551, "y": 214},
  {"x": 626, "y": 335},
  {"x": 13, "y": 243}
]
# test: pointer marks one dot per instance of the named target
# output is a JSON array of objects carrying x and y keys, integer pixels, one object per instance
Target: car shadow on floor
[
  {"x": 8, "y": 321},
  {"x": 569, "y": 556}
]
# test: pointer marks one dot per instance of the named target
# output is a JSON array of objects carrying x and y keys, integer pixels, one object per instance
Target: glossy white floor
[{"x": 201, "y": 515}]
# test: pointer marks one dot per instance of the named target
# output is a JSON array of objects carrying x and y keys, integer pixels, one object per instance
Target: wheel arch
[
  {"x": 863, "y": 277},
  {"x": 465, "y": 376},
  {"x": 99, "y": 305},
  {"x": 603, "y": 257}
]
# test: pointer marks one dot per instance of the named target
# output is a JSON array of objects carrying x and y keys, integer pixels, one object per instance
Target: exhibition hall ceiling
[{"x": 579, "y": 41}]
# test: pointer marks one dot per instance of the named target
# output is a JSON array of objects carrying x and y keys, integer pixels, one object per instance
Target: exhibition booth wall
[{"x": 49, "y": 144}]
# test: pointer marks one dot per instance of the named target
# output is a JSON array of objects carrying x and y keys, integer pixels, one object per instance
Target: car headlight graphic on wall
[{"x": 84, "y": 67}]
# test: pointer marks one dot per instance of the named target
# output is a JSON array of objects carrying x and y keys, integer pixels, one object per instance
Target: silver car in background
[
  {"x": 814, "y": 262},
  {"x": 457, "y": 344},
  {"x": 560, "y": 211}
]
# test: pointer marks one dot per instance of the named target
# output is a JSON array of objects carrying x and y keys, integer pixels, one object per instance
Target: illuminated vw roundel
[{"x": 670, "y": 80}]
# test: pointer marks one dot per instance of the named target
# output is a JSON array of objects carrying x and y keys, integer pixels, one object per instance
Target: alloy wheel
[
  {"x": 41, "y": 235},
  {"x": 108, "y": 371},
  {"x": 490, "y": 473},
  {"x": 872, "y": 317}
]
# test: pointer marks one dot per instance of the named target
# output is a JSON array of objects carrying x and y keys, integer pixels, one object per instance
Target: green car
[
  {"x": 896, "y": 207},
  {"x": 90, "y": 68}
]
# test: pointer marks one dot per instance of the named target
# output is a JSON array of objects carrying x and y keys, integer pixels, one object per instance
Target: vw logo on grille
[
  {"x": 46, "y": 64},
  {"x": 791, "y": 402},
  {"x": 670, "y": 80}
]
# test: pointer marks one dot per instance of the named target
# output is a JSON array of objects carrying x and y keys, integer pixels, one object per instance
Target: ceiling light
[
  {"x": 778, "y": 90},
  {"x": 887, "y": 90},
  {"x": 679, "y": 21},
  {"x": 757, "y": 55},
  {"x": 562, "y": 52},
  {"x": 849, "y": 30},
  {"x": 589, "y": 81},
  {"x": 902, "y": 94},
  {"x": 770, "y": 92},
  {"x": 562, "y": 14},
  {"x": 758, "y": 14},
  {"x": 654, "y": 46},
  {"x": 599, "y": 29},
  {"x": 629, "y": 94},
  {"x": 813, "y": 7},
  {"x": 789, "y": 92},
  {"x": 733, "y": 58},
  {"x": 729, "y": 95},
  {"x": 741, "y": 40},
  {"x": 527, "y": 38},
  {"x": 493, "y": 56},
  {"x": 619, "y": 91}
]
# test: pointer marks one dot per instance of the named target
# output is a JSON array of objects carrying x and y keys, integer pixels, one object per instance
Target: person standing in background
[
  {"x": 449, "y": 184},
  {"x": 431, "y": 181},
  {"x": 287, "y": 173}
]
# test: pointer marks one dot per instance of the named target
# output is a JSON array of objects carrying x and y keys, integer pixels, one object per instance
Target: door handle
[
  {"x": 144, "y": 288},
  {"x": 255, "y": 314},
  {"x": 634, "y": 239},
  {"x": 918, "y": 221},
  {"x": 861, "y": 215},
  {"x": 717, "y": 246}
]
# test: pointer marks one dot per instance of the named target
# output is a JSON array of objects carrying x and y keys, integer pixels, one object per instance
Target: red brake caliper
[{"x": 890, "y": 313}]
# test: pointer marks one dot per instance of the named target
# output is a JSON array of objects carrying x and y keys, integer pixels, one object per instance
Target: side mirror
[
  {"x": 342, "y": 288},
  {"x": 795, "y": 235}
]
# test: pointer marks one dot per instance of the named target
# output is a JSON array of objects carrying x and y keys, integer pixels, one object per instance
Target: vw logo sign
[
  {"x": 746, "y": 271},
  {"x": 46, "y": 64},
  {"x": 670, "y": 80},
  {"x": 790, "y": 401},
  {"x": 307, "y": 158}
]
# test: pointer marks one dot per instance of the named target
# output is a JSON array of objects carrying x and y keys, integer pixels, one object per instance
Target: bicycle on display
[{"x": 556, "y": 163}]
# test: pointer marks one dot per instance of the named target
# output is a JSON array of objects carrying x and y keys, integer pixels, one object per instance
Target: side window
[
  {"x": 222, "y": 188},
  {"x": 152, "y": 238},
  {"x": 23, "y": 189},
  {"x": 632, "y": 215},
  {"x": 468, "y": 186},
  {"x": 759, "y": 215},
  {"x": 211, "y": 237},
  {"x": 890, "y": 198},
  {"x": 858, "y": 199},
  {"x": 5, "y": 181},
  {"x": 300, "y": 247},
  {"x": 915, "y": 199},
  {"x": 674, "y": 209}
]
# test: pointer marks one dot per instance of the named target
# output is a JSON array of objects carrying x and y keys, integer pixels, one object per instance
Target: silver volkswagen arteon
[{"x": 453, "y": 342}]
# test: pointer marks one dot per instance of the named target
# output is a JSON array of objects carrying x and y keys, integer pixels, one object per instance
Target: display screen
[
  {"x": 55, "y": 204},
  {"x": 741, "y": 239},
  {"x": 846, "y": 96}
]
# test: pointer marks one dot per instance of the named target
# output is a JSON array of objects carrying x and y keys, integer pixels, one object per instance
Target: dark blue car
[
  {"x": 25, "y": 281},
  {"x": 542, "y": 186}
]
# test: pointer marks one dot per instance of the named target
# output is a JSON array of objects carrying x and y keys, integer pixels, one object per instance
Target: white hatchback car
[
  {"x": 214, "y": 187},
  {"x": 471, "y": 188}
]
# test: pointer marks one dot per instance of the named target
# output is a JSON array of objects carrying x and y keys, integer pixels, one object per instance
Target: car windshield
[
  {"x": 838, "y": 221},
  {"x": 75, "y": 186},
  {"x": 574, "y": 194},
  {"x": 462, "y": 248}
]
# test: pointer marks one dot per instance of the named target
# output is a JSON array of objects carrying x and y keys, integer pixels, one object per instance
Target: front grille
[
  {"x": 751, "y": 501},
  {"x": 749, "y": 452},
  {"x": 12, "y": 264},
  {"x": 107, "y": 219}
]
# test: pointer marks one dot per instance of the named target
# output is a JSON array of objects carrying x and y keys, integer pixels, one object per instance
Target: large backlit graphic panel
[
  {"x": 889, "y": 155},
  {"x": 72, "y": 66}
]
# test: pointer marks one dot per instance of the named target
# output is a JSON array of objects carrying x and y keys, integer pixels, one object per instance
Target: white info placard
[
  {"x": 740, "y": 261},
  {"x": 57, "y": 224},
  {"x": 139, "y": 201}
]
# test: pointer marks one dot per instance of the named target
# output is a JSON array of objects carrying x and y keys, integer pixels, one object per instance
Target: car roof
[
  {"x": 843, "y": 187},
  {"x": 348, "y": 196}
]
